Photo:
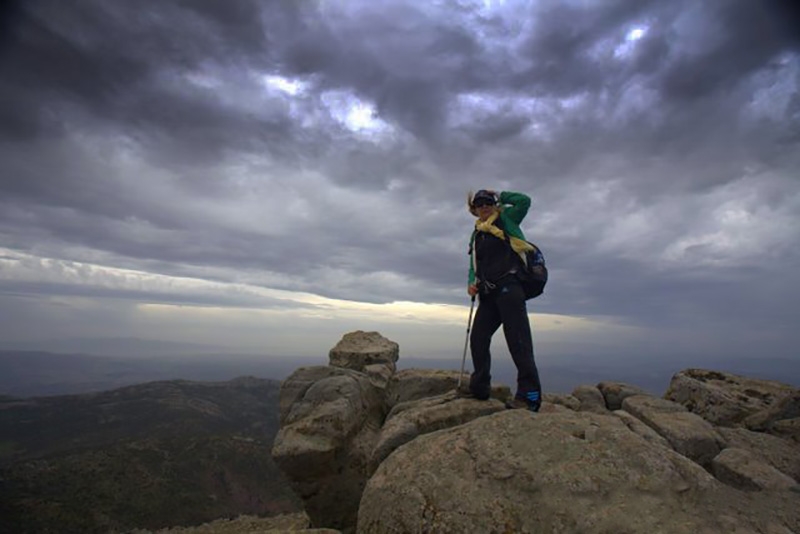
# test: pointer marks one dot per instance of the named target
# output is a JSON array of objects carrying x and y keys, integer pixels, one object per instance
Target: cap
[{"x": 483, "y": 194}]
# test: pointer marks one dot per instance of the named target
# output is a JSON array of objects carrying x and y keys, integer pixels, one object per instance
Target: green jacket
[{"x": 514, "y": 208}]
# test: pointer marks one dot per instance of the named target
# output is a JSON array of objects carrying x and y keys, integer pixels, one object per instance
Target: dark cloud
[
  {"x": 373, "y": 56},
  {"x": 64, "y": 66},
  {"x": 752, "y": 34},
  {"x": 561, "y": 43},
  {"x": 147, "y": 136}
]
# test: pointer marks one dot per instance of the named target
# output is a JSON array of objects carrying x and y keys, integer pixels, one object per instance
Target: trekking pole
[{"x": 466, "y": 341}]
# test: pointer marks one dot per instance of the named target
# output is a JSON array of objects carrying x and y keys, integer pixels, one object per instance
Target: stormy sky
[{"x": 266, "y": 176}]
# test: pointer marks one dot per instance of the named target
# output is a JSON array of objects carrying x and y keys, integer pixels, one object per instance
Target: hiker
[{"x": 494, "y": 248}]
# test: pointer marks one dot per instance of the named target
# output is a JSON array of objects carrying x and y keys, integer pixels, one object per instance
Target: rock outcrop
[
  {"x": 740, "y": 468},
  {"x": 326, "y": 439},
  {"x": 379, "y": 450},
  {"x": 782, "y": 417},
  {"x": 590, "y": 399},
  {"x": 781, "y": 454},
  {"x": 788, "y": 428},
  {"x": 338, "y": 422},
  {"x": 414, "y": 384},
  {"x": 687, "y": 433},
  {"x": 358, "y": 350},
  {"x": 559, "y": 473},
  {"x": 616, "y": 392},
  {"x": 643, "y": 405},
  {"x": 568, "y": 401},
  {"x": 638, "y": 427},
  {"x": 411, "y": 419},
  {"x": 725, "y": 399}
]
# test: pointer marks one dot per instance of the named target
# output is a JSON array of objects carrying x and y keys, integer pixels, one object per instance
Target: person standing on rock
[{"x": 495, "y": 249}]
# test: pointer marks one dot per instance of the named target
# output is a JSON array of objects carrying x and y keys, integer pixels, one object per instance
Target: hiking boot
[
  {"x": 464, "y": 392},
  {"x": 531, "y": 401}
]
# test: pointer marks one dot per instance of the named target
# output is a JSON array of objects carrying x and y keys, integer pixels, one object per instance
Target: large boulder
[
  {"x": 785, "y": 409},
  {"x": 787, "y": 428},
  {"x": 638, "y": 427},
  {"x": 562, "y": 472},
  {"x": 741, "y": 469},
  {"x": 330, "y": 422},
  {"x": 590, "y": 399},
  {"x": 687, "y": 433},
  {"x": 380, "y": 373},
  {"x": 782, "y": 454},
  {"x": 359, "y": 349},
  {"x": 295, "y": 386},
  {"x": 408, "y": 420},
  {"x": 638, "y": 405},
  {"x": 616, "y": 392},
  {"x": 724, "y": 399},
  {"x": 414, "y": 384},
  {"x": 568, "y": 401}
]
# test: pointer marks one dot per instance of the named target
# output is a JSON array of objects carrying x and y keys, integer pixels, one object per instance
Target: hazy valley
[
  {"x": 112, "y": 364},
  {"x": 147, "y": 456}
]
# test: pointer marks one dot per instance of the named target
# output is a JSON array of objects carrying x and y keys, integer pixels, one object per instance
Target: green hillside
[{"x": 147, "y": 456}]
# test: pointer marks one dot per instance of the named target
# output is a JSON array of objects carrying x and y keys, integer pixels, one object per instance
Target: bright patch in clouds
[
  {"x": 361, "y": 116},
  {"x": 636, "y": 33},
  {"x": 626, "y": 48},
  {"x": 353, "y": 113},
  {"x": 290, "y": 87},
  {"x": 491, "y": 5}
]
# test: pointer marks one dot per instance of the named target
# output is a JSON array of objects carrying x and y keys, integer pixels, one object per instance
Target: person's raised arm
[{"x": 517, "y": 205}]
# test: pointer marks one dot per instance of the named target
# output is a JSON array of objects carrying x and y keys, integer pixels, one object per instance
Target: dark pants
[{"x": 503, "y": 305}]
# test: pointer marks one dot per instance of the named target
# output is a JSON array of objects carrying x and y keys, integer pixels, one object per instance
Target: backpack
[{"x": 534, "y": 272}]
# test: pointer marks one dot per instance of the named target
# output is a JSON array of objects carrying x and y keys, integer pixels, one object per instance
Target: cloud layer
[{"x": 327, "y": 148}]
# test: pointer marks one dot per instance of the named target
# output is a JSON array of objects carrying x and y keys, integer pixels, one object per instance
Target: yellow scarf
[{"x": 520, "y": 246}]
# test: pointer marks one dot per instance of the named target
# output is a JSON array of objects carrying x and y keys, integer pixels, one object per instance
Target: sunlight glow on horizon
[{"x": 225, "y": 304}]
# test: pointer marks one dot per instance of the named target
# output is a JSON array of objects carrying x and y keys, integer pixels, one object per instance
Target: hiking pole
[{"x": 466, "y": 341}]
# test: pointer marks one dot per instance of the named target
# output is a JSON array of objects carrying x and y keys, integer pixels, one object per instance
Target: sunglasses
[{"x": 481, "y": 202}]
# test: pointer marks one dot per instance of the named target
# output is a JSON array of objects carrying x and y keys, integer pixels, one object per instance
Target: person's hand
[{"x": 472, "y": 289}]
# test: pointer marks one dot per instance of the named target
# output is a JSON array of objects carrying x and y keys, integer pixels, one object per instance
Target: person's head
[{"x": 483, "y": 204}]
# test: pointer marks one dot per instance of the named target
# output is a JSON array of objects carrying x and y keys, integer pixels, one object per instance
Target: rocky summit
[{"x": 372, "y": 450}]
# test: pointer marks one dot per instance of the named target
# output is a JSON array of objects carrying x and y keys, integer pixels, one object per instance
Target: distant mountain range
[
  {"x": 37, "y": 373},
  {"x": 118, "y": 347},
  {"x": 26, "y": 373},
  {"x": 150, "y": 456}
]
